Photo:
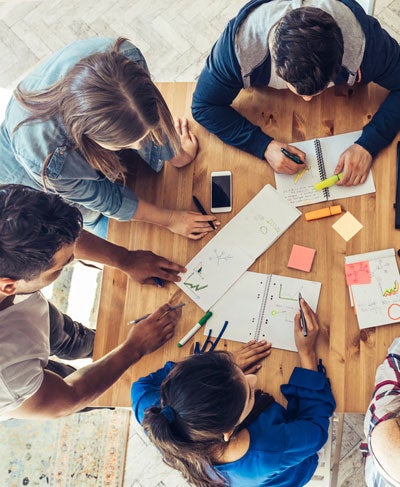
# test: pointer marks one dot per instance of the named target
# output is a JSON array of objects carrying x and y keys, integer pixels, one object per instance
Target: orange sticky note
[
  {"x": 301, "y": 258},
  {"x": 358, "y": 273}
]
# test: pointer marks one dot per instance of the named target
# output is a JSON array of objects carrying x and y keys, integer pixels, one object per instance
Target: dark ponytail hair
[
  {"x": 201, "y": 399},
  {"x": 106, "y": 98}
]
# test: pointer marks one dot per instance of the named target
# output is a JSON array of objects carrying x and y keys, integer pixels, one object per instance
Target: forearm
[
  {"x": 89, "y": 382},
  {"x": 59, "y": 397},
  {"x": 91, "y": 247},
  {"x": 308, "y": 361},
  {"x": 147, "y": 212}
]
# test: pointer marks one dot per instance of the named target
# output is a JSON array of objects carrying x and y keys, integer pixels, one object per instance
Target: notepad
[
  {"x": 322, "y": 158},
  {"x": 236, "y": 246},
  {"x": 374, "y": 280},
  {"x": 262, "y": 307}
]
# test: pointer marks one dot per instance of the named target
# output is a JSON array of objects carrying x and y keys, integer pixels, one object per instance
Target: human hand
[
  {"x": 189, "y": 144},
  {"x": 355, "y": 163},
  {"x": 190, "y": 224},
  {"x": 249, "y": 355},
  {"x": 306, "y": 344},
  {"x": 281, "y": 163},
  {"x": 152, "y": 332},
  {"x": 142, "y": 266}
]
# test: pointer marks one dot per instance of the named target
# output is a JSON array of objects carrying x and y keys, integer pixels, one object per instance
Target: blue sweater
[
  {"x": 221, "y": 80},
  {"x": 283, "y": 442}
]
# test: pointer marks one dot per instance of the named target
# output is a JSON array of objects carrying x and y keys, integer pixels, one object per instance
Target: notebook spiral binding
[
  {"x": 262, "y": 310},
  {"x": 321, "y": 166}
]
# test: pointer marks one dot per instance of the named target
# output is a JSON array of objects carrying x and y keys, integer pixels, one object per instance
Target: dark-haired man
[
  {"x": 306, "y": 47},
  {"x": 39, "y": 235}
]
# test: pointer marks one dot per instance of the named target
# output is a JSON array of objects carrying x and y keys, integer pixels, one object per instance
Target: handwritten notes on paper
[
  {"x": 374, "y": 282},
  {"x": 236, "y": 246}
]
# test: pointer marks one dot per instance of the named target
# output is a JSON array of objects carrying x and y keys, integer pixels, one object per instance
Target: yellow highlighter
[{"x": 326, "y": 183}]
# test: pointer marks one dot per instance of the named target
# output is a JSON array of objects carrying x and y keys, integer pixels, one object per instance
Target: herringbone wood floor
[{"x": 175, "y": 36}]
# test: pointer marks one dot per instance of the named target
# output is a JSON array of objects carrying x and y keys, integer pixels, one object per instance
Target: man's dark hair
[
  {"x": 308, "y": 49},
  {"x": 33, "y": 227}
]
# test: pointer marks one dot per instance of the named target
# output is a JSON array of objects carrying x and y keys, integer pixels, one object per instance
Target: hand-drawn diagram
[
  {"x": 235, "y": 247},
  {"x": 213, "y": 271},
  {"x": 378, "y": 302},
  {"x": 263, "y": 306}
]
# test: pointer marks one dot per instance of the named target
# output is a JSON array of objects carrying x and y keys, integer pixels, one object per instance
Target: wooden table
[{"x": 350, "y": 356}]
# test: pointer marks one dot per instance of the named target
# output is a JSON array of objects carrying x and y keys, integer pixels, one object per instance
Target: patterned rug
[{"x": 82, "y": 450}]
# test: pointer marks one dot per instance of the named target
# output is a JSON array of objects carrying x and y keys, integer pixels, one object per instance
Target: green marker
[
  {"x": 196, "y": 327},
  {"x": 326, "y": 183}
]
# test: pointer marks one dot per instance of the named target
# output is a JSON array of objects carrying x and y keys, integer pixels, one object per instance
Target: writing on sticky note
[
  {"x": 358, "y": 273},
  {"x": 301, "y": 258}
]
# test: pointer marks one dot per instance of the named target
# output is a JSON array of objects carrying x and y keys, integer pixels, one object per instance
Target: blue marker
[{"x": 158, "y": 281}]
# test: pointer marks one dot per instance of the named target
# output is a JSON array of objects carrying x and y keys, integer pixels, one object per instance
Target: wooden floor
[{"x": 351, "y": 357}]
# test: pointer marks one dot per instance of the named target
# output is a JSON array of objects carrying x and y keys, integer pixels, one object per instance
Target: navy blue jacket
[{"x": 220, "y": 82}]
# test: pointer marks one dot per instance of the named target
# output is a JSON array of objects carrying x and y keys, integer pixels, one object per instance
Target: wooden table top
[{"x": 350, "y": 356}]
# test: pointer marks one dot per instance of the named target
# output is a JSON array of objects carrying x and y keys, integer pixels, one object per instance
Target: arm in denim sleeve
[
  {"x": 218, "y": 85},
  {"x": 111, "y": 199},
  {"x": 72, "y": 177},
  {"x": 145, "y": 392},
  {"x": 310, "y": 405}
]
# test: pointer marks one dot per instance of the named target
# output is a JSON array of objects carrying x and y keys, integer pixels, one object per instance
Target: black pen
[
  {"x": 291, "y": 156},
  {"x": 302, "y": 318},
  {"x": 203, "y": 211}
]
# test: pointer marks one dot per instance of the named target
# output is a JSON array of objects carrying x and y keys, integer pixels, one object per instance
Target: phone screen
[{"x": 221, "y": 191}]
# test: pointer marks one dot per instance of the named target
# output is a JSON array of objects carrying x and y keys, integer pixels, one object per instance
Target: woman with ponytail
[
  {"x": 68, "y": 121},
  {"x": 210, "y": 423}
]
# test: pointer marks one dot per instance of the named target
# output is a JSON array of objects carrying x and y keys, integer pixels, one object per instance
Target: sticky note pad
[
  {"x": 347, "y": 226},
  {"x": 358, "y": 273},
  {"x": 301, "y": 258}
]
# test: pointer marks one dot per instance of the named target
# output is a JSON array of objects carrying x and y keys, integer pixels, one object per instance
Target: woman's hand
[
  {"x": 249, "y": 355},
  {"x": 306, "y": 344},
  {"x": 189, "y": 144},
  {"x": 191, "y": 224}
]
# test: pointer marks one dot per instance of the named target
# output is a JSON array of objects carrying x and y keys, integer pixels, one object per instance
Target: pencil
[{"x": 133, "y": 322}]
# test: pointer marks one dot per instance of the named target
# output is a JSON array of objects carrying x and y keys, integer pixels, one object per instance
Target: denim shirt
[{"x": 69, "y": 174}]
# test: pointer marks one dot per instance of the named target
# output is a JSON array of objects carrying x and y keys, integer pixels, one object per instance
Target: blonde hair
[{"x": 105, "y": 98}]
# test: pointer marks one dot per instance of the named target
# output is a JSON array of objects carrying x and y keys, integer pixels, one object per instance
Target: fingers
[
  {"x": 249, "y": 355},
  {"x": 254, "y": 348},
  {"x": 197, "y": 236}
]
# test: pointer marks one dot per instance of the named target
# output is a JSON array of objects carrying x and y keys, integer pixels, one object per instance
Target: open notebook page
[
  {"x": 262, "y": 307},
  {"x": 300, "y": 191}
]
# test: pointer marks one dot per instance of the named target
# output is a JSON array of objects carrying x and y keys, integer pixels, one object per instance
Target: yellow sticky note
[{"x": 347, "y": 226}]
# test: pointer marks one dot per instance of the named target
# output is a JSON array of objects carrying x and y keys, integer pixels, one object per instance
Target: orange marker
[{"x": 323, "y": 212}]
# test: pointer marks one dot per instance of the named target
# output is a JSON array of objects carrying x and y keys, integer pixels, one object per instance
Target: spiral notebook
[
  {"x": 322, "y": 158},
  {"x": 262, "y": 307}
]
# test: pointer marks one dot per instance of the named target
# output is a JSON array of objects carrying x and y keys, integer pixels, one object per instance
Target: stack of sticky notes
[{"x": 301, "y": 258}]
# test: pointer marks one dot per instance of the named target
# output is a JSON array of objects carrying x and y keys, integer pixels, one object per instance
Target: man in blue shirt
[{"x": 305, "y": 47}]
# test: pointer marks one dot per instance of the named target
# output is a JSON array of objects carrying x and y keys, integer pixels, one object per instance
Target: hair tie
[{"x": 168, "y": 413}]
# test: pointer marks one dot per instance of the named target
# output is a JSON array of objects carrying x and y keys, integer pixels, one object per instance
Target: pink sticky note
[
  {"x": 358, "y": 273},
  {"x": 301, "y": 258}
]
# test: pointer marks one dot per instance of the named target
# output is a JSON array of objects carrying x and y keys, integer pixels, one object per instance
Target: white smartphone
[{"x": 221, "y": 191}]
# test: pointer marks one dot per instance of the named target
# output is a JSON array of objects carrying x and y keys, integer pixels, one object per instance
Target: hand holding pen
[
  {"x": 305, "y": 335},
  {"x": 285, "y": 159}
]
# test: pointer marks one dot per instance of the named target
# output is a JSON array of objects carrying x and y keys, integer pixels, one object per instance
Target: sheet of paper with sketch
[{"x": 236, "y": 246}]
